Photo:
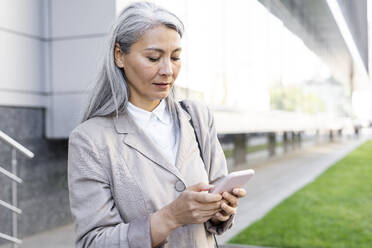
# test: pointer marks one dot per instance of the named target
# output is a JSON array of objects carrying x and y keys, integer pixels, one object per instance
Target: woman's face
[{"x": 151, "y": 66}]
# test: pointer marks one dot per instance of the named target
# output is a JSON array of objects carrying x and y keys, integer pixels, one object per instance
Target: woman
[{"x": 136, "y": 177}]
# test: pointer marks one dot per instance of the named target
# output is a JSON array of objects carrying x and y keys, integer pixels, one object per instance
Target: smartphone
[{"x": 235, "y": 179}]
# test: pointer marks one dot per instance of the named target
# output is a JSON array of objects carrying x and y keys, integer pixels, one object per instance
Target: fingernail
[
  {"x": 206, "y": 188},
  {"x": 235, "y": 191},
  {"x": 218, "y": 214}
]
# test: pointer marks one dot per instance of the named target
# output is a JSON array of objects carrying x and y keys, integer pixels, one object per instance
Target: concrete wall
[
  {"x": 76, "y": 35},
  {"x": 49, "y": 51},
  {"x": 49, "y": 55},
  {"x": 22, "y": 52},
  {"x": 43, "y": 196}
]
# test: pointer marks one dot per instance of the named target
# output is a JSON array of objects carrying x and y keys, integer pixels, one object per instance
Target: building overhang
[{"x": 314, "y": 22}]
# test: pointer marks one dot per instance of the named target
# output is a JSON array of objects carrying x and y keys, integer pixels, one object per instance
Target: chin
[{"x": 162, "y": 96}]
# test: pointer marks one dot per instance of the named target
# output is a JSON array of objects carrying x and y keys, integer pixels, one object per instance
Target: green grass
[{"x": 333, "y": 211}]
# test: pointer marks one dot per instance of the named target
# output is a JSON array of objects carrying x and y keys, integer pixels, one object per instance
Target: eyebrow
[{"x": 161, "y": 50}]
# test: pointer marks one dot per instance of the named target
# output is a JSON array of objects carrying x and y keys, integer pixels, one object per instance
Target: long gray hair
[{"x": 110, "y": 94}]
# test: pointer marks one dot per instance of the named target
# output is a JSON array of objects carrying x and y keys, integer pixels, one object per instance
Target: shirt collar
[{"x": 160, "y": 112}]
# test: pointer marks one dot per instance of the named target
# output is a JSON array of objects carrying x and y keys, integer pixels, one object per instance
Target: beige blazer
[{"x": 117, "y": 177}]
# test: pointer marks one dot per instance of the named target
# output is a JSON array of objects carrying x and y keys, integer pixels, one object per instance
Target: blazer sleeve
[
  {"x": 98, "y": 222},
  {"x": 217, "y": 170}
]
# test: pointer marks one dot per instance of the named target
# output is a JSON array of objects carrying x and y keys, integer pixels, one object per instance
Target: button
[{"x": 180, "y": 186}]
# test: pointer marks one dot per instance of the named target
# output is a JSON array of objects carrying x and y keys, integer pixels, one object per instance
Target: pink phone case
[{"x": 235, "y": 179}]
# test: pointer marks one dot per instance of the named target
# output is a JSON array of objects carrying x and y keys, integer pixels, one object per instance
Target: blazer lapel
[
  {"x": 186, "y": 139},
  {"x": 138, "y": 140}
]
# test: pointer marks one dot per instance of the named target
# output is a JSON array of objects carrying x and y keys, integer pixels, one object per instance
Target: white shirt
[{"x": 159, "y": 126}]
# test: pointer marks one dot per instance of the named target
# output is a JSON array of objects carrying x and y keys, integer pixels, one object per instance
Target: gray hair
[{"x": 110, "y": 94}]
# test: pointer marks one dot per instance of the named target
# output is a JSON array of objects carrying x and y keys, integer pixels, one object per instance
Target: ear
[{"x": 119, "y": 56}]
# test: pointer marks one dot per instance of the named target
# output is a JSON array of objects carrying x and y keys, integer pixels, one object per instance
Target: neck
[{"x": 148, "y": 106}]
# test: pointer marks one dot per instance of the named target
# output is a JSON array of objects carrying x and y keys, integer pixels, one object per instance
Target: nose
[{"x": 166, "y": 68}]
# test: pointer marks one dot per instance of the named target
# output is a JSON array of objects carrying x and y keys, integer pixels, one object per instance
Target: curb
[{"x": 241, "y": 246}]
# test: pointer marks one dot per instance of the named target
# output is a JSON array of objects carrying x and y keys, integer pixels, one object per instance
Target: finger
[
  {"x": 222, "y": 217},
  {"x": 205, "y": 215},
  {"x": 231, "y": 199},
  {"x": 200, "y": 187},
  {"x": 206, "y": 197},
  {"x": 239, "y": 192},
  {"x": 214, "y": 206},
  {"x": 208, "y": 213},
  {"x": 229, "y": 210}
]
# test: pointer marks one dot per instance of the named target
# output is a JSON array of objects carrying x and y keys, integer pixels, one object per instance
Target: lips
[{"x": 162, "y": 86}]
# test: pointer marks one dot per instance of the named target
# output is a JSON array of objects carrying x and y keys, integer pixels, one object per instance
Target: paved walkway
[
  {"x": 62, "y": 237},
  {"x": 275, "y": 180}
]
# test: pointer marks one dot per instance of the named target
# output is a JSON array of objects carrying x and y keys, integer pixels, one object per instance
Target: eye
[
  {"x": 176, "y": 58},
  {"x": 153, "y": 59}
]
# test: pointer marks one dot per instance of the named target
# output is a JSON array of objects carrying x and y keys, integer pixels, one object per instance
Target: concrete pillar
[
  {"x": 317, "y": 135},
  {"x": 73, "y": 43},
  {"x": 285, "y": 141},
  {"x": 299, "y": 139},
  {"x": 271, "y": 143},
  {"x": 293, "y": 140},
  {"x": 240, "y": 148},
  {"x": 331, "y": 136}
]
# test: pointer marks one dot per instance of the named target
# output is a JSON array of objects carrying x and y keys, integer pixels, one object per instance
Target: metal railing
[{"x": 15, "y": 180}]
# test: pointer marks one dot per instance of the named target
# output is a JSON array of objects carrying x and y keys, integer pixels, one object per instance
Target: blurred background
[{"x": 279, "y": 76}]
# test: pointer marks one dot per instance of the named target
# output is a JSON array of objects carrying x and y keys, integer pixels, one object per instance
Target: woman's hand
[
  {"x": 194, "y": 206},
  {"x": 229, "y": 204}
]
